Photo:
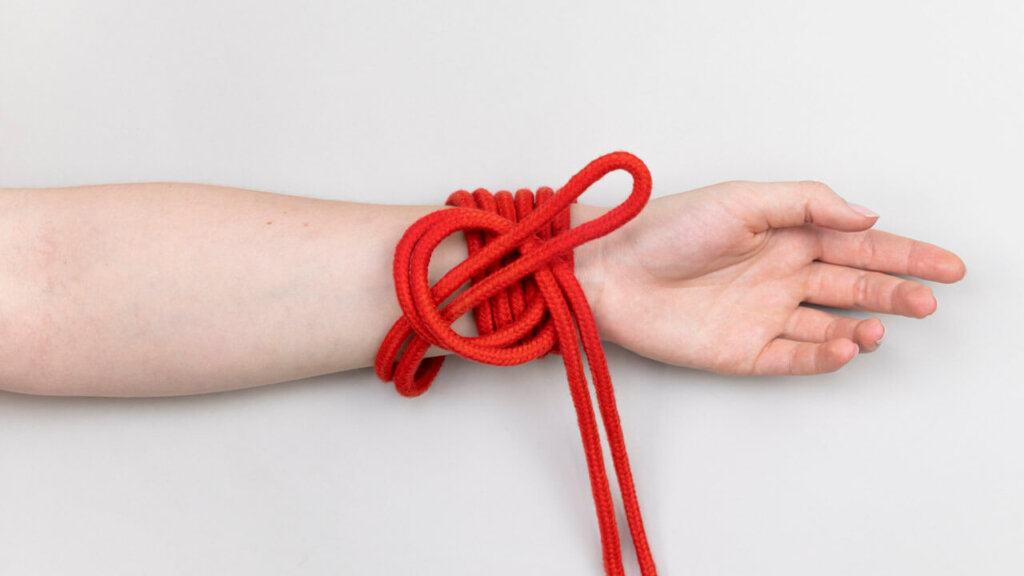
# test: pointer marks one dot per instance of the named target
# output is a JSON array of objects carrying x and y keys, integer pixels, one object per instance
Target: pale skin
[{"x": 167, "y": 288}]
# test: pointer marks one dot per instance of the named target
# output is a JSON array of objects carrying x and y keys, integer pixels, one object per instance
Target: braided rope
[{"x": 527, "y": 303}]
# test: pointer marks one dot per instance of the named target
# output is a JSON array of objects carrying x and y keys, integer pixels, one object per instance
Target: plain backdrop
[{"x": 908, "y": 461}]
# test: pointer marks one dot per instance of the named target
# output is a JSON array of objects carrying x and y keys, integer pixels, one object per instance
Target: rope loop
[{"x": 526, "y": 302}]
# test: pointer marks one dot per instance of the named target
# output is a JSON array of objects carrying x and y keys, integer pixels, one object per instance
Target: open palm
[{"x": 719, "y": 278}]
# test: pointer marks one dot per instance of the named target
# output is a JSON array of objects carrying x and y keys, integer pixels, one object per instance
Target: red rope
[{"x": 527, "y": 302}]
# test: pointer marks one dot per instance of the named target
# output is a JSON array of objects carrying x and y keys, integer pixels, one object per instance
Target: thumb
[{"x": 785, "y": 204}]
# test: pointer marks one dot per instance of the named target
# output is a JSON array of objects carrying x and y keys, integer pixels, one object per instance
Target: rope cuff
[{"x": 527, "y": 303}]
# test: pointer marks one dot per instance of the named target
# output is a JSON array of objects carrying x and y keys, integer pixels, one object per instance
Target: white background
[{"x": 908, "y": 461}]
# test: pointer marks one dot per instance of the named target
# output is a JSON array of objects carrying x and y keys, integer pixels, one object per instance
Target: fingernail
[{"x": 862, "y": 210}]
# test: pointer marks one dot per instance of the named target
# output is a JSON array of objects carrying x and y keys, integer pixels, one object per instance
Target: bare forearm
[{"x": 160, "y": 289}]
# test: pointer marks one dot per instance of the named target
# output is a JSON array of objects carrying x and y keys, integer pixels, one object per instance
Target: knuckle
[
  {"x": 831, "y": 329},
  {"x": 815, "y": 188},
  {"x": 868, "y": 251},
  {"x": 861, "y": 290}
]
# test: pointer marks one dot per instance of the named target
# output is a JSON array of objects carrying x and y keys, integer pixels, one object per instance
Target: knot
[
  {"x": 516, "y": 312},
  {"x": 526, "y": 302},
  {"x": 507, "y": 242}
]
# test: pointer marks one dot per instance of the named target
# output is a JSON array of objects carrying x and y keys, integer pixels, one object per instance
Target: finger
[
  {"x": 784, "y": 356},
  {"x": 885, "y": 252},
  {"x": 785, "y": 204},
  {"x": 842, "y": 287},
  {"x": 813, "y": 325}
]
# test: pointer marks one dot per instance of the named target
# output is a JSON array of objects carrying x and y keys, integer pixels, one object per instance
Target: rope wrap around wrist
[{"x": 526, "y": 302}]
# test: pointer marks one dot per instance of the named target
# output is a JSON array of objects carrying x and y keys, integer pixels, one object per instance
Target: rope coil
[{"x": 527, "y": 303}]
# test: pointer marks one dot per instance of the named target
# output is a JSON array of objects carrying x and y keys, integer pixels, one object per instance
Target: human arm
[{"x": 162, "y": 289}]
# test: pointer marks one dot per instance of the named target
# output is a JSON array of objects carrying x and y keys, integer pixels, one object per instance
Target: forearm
[
  {"x": 163, "y": 289},
  {"x": 156, "y": 289}
]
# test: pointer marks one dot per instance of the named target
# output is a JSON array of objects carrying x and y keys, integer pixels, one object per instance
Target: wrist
[{"x": 590, "y": 261}]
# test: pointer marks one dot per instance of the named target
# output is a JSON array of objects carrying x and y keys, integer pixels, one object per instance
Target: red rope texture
[{"x": 527, "y": 302}]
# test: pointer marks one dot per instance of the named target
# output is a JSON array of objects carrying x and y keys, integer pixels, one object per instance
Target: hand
[{"x": 716, "y": 279}]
